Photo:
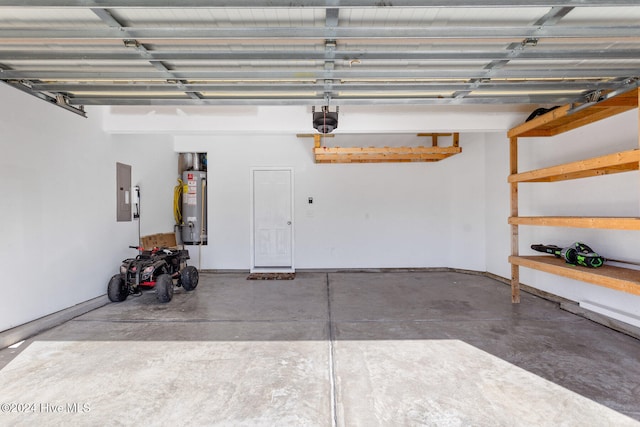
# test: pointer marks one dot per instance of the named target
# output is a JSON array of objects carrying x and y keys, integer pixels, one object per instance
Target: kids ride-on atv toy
[{"x": 156, "y": 268}]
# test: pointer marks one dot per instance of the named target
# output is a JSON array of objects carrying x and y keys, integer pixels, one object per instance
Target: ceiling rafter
[
  {"x": 385, "y": 86},
  {"x": 59, "y": 100},
  {"x": 208, "y": 4},
  {"x": 81, "y": 54},
  {"x": 316, "y": 74},
  {"x": 330, "y": 45},
  {"x": 269, "y": 100},
  {"x": 322, "y": 33},
  {"x": 514, "y": 50},
  {"x": 210, "y": 52},
  {"x": 141, "y": 50}
]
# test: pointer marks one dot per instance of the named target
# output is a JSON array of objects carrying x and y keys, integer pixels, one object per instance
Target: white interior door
[{"x": 272, "y": 219}]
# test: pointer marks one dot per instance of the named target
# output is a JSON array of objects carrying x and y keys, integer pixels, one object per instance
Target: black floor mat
[{"x": 271, "y": 276}]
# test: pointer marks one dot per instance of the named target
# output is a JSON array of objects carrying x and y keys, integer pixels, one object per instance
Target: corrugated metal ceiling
[{"x": 313, "y": 52}]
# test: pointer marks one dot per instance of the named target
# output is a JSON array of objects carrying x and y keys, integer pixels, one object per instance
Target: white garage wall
[
  {"x": 263, "y": 120},
  {"x": 497, "y": 231},
  {"x": 155, "y": 170},
  {"x": 363, "y": 215},
  {"x": 58, "y": 178},
  {"x": 60, "y": 238}
]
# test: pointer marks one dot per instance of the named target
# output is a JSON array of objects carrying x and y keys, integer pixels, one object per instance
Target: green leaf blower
[{"x": 575, "y": 254}]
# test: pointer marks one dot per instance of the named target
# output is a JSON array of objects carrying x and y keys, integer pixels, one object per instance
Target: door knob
[{"x": 288, "y": 222}]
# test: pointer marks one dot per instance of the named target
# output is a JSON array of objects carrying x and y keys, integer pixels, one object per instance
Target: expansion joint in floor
[{"x": 332, "y": 371}]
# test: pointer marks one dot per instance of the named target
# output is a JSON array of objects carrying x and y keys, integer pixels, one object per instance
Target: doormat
[{"x": 271, "y": 276}]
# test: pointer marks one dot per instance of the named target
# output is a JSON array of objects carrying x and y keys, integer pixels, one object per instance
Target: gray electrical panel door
[{"x": 123, "y": 192}]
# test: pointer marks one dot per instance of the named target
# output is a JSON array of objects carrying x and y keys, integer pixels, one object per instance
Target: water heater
[{"x": 194, "y": 207}]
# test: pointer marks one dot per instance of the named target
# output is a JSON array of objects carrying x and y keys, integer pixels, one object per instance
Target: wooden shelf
[
  {"x": 611, "y": 223},
  {"x": 382, "y": 154},
  {"x": 620, "y": 279},
  {"x": 554, "y": 122},
  {"x": 570, "y": 117},
  {"x": 624, "y": 161},
  {"x": 433, "y": 153}
]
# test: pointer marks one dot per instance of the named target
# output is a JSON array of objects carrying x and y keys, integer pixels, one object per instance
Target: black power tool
[{"x": 575, "y": 254}]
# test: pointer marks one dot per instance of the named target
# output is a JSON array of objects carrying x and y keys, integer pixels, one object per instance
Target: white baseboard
[
  {"x": 613, "y": 313},
  {"x": 22, "y": 332}
]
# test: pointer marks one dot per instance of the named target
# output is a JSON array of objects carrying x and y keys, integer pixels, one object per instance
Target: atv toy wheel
[
  {"x": 117, "y": 289},
  {"x": 189, "y": 278},
  {"x": 164, "y": 288}
]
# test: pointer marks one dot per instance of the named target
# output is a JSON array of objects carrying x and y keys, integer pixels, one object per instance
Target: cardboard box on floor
[{"x": 160, "y": 240}]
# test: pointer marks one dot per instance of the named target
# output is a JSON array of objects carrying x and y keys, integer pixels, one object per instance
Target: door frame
[{"x": 253, "y": 268}]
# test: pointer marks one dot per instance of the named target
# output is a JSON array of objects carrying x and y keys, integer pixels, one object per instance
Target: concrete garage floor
[{"x": 345, "y": 349}]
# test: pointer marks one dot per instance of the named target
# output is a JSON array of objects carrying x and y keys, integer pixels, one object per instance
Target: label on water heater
[
  {"x": 192, "y": 199},
  {"x": 193, "y": 187}
]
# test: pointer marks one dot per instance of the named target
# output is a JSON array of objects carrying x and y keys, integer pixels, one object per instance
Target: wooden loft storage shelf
[
  {"x": 433, "y": 153},
  {"x": 570, "y": 116},
  {"x": 382, "y": 154},
  {"x": 553, "y": 123}
]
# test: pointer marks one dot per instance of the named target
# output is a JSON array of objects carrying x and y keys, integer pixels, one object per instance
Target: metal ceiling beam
[
  {"x": 321, "y": 33},
  {"x": 515, "y": 50},
  {"x": 106, "y": 17},
  {"x": 330, "y": 45},
  {"x": 180, "y": 4},
  {"x": 345, "y": 55},
  {"x": 338, "y": 100},
  {"x": 140, "y": 49},
  {"x": 58, "y": 101},
  {"x": 567, "y": 86},
  {"x": 413, "y": 77},
  {"x": 554, "y": 15},
  {"x": 315, "y": 74}
]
